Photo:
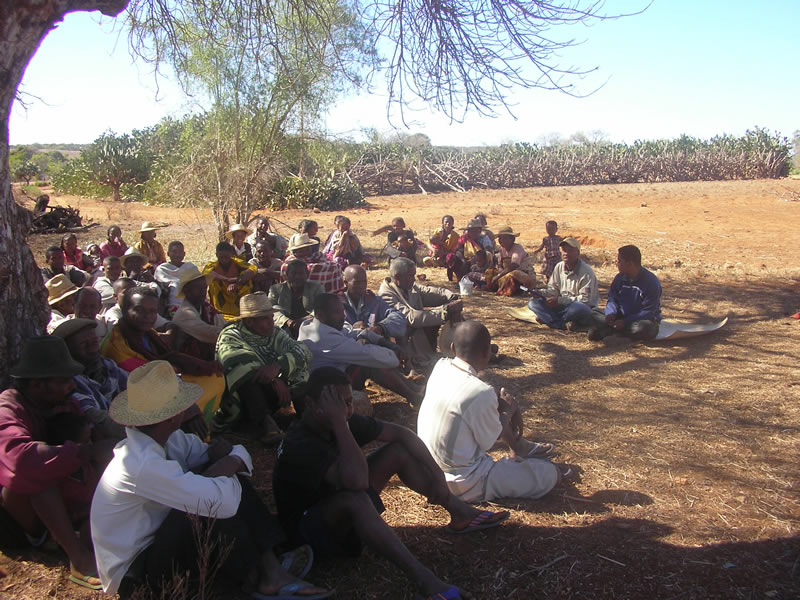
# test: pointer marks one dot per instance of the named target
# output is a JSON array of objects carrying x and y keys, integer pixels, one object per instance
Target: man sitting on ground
[
  {"x": 61, "y": 298},
  {"x": 634, "y": 300},
  {"x": 320, "y": 269},
  {"x": 168, "y": 274},
  {"x": 364, "y": 310},
  {"x": 164, "y": 485},
  {"x": 229, "y": 279},
  {"x": 426, "y": 308},
  {"x": 198, "y": 324},
  {"x": 114, "y": 313},
  {"x": 101, "y": 379},
  {"x": 87, "y": 306},
  {"x": 461, "y": 417},
  {"x": 328, "y": 492},
  {"x": 112, "y": 269},
  {"x": 39, "y": 491},
  {"x": 293, "y": 301},
  {"x": 54, "y": 256},
  {"x": 571, "y": 292},
  {"x": 269, "y": 267},
  {"x": 263, "y": 366},
  {"x": 332, "y": 345}
]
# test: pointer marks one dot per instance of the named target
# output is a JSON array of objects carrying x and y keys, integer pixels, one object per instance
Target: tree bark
[{"x": 23, "y": 25}]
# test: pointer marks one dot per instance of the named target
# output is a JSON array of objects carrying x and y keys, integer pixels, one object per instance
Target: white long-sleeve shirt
[
  {"x": 578, "y": 285},
  {"x": 141, "y": 484},
  {"x": 340, "y": 349}
]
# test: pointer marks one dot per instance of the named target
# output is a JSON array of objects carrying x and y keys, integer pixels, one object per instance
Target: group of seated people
[{"x": 104, "y": 437}]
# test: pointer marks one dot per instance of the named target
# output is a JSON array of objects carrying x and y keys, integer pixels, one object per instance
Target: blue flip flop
[
  {"x": 484, "y": 520},
  {"x": 293, "y": 561},
  {"x": 452, "y": 593},
  {"x": 289, "y": 592}
]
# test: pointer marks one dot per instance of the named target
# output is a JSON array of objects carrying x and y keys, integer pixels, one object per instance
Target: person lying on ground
[
  {"x": 634, "y": 301},
  {"x": 133, "y": 341},
  {"x": 148, "y": 246},
  {"x": 112, "y": 270},
  {"x": 198, "y": 324},
  {"x": 426, "y": 309},
  {"x": 361, "y": 354},
  {"x": 364, "y": 310},
  {"x": 164, "y": 486},
  {"x": 263, "y": 366},
  {"x": 38, "y": 490},
  {"x": 268, "y": 267},
  {"x": 168, "y": 274},
  {"x": 514, "y": 264},
  {"x": 54, "y": 258},
  {"x": 462, "y": 417},
  {"x": 328, "y": 493},
  {"x": 61, "y": 298},
  {"x": 571, "y": 292},
  {"x": 229, "y": 279},
  {"x": 101, "y": 379},
  {"x": 320, "y": 269},
  {"x": 293, "y": 301},
  {"x": 114, "y": 245}
]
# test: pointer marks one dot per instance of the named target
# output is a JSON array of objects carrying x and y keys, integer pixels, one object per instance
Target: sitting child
[
  {"x": 443, "y": 242},
  {"x": 345, "y": 247},
  {"x": 401, "y": 242}
]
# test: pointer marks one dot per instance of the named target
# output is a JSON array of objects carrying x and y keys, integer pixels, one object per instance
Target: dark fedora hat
[{"x": 44, "y": 357}]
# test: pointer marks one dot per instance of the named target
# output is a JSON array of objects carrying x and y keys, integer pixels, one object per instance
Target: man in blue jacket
[{"x": 634, "y": 300}]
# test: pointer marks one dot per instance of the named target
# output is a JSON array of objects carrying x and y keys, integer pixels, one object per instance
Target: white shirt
[
  {"x": 339, "y": 349},
  {"x": 141, "y": 484},
  {"x": 171, "y": 275},
  {"x": 106, "y": 288},
  {"x": 459, "y": 421},
  {"x": 187, "y": 319}
]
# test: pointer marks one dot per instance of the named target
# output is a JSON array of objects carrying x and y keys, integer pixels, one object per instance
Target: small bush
[{"x": 322, "y": 192}]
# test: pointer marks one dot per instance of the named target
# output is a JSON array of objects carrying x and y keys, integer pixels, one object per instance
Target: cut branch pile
[{"x": 57, "y": 219}]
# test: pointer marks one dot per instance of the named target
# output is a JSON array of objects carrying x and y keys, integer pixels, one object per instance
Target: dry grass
[{"x": 688, "y": 452}]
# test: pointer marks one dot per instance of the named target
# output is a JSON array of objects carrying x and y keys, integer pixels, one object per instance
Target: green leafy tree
[
  {"x": 26, "y": 171},
  {"x": 115, "y": 160}
]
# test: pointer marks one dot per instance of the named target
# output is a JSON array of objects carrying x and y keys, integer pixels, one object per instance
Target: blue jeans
[{"x": 557, "y": 318}]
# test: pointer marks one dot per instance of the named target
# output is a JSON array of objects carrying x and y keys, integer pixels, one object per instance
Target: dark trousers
[
  {"x": 238, "y": 542},
  {"x": 636, "y": 330}
]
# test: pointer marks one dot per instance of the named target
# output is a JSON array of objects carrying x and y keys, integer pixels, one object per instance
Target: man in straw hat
[
  {"x": 515, "y": 266},
  {"x": 48, "y": 487},
  {"x": 197, "y": 321},
  {"x": 61, "y": 298},
  {"x": 148, "y": 245},
  {"x": 229, "y": 278},
  {"x": 164, "y": 486},
  {"x": 237, "y": 235},
  {"x": 571, "y": 292},
  {"x": 263, "y": 365},
  {"x": 134, "y": 264},
  {"x": 320, "y": 270},
  {"x": 101, "y": 379},
  {"x": 168, "y": 274},
  {"x": 462, "y": 417},
  {"x": 328, "y": 493}
]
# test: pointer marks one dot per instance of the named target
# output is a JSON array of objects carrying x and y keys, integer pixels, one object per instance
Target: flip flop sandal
[
  {"x": 289, "y": 592},
  {"x": 543, "y": 450},
  {"x": 484, "y": 520},
  {"x": 90, "y": 581},
  {"x": 298, "y": 562},
  {"x": 452, "y": 593}
]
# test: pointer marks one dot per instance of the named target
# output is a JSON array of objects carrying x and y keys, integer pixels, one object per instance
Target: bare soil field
[{"x": 687, "y": 452}]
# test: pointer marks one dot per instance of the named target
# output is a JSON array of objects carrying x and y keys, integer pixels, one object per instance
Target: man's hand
[
  {"x": 332, "y": 409},
  {"x": 282, "y": 390},
  {"x": 233, "y": 288},
  {"x": 552, "y": 301},
  {"x": 218, "y": 449},
  {"x": 455, "y": 307},
  {"x": 267, "y": 373},
  {"x": 619, "y": 324}
]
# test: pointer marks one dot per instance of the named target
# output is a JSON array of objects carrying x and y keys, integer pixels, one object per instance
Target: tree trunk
[
  {"x": 117, "y": 196},
  {"x": 23, "y": 25}
]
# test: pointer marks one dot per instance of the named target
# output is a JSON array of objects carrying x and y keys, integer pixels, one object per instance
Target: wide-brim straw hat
[
  {"x": 253, "y": 305},
  {"x": 506, "y": 230},
  {"x": 58, "y": 288},
  {"x": 235, "y": 228},
  {"x": 148, "y": 226},
  {"x": 187, "y": 276},
  {"x": 301, "y": 240},
  {"x": 44, "y": 357},
  {"x": 67, "y": 327},
  {"x": 129, "y": 253},
  {"x": 154, "y": 394},
  {"x": 474, "y": 224}
]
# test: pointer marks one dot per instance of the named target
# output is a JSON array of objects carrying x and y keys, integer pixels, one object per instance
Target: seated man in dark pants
[
  {"x": 634, "y": 301},
  {"x": 293, "y": 301},
  {"x": 263, "y": 365},
  {"x": 165, "y": 493},
  {"x": 328, "y": 492}
]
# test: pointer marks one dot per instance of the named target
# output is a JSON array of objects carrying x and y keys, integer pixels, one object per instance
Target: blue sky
[{"x": 700, "y": 67}]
